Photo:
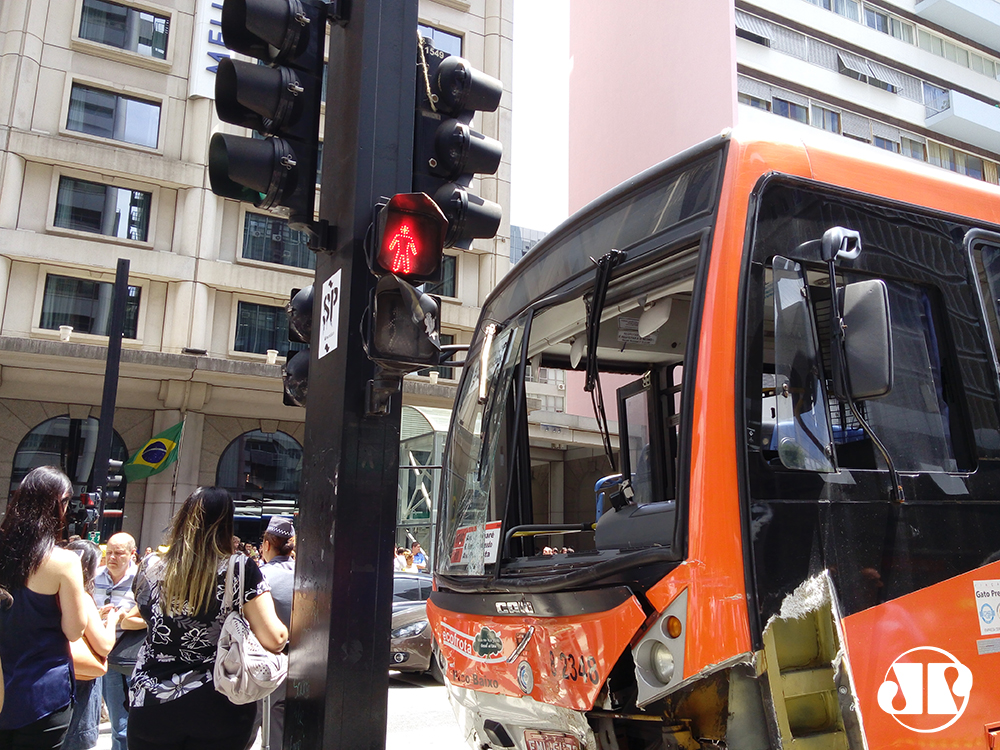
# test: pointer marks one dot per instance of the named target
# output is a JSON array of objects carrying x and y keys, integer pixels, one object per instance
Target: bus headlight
[
  {"x": 659, "y": 653},
  {"x": 661, "y": 662}
]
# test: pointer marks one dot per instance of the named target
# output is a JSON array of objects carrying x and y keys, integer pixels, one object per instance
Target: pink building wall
[{"x": 649, "y": 78}]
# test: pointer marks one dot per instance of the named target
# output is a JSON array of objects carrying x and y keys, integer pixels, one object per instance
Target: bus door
[{"x": 869, "y": 515}]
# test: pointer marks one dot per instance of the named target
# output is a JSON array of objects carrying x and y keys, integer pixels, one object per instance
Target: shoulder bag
[
  {"x": 87, "y": 665},
  {"x": 245, "y": 671}
]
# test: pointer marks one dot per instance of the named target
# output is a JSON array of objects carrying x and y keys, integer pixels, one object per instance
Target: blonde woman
[{"x": 179, "y": 595}]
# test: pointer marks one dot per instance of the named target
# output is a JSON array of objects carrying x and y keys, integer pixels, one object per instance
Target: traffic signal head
[
  {"x": 280, "y": 99},
  {"x": 447, "y": 152},
  {"x": 111, "y": 487},
  {"x": 409, "y": 238},
  {"x": 295, "y": 376},
  {"x": 406, "y": 327},
  {"x": 257, "y": 96},
  {"x": 462, "y": 87},
  {"x": 295, "y": 373},
  {"x": 262, "y": 172},
  {"x": 271, "y": 30},
  {"x": 299, "y": 310}
]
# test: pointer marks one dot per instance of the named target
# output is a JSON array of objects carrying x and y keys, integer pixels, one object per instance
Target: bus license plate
[{"x": 537, "y": 740}]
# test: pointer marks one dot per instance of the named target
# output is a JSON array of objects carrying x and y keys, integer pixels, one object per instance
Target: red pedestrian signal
[{"x": 409, "y": 238}]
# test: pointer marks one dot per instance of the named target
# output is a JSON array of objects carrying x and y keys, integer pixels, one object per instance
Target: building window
[
  {"x": 912, "y": 148},
  {"x": 446, "y": 287},
  {"x": 262, "y": 472},
  {"x": 826, "y": 119},
  {"x": 553, "y": 403},
  {"x": 890, "y": 25},
  {"x": 755, "y": 102},
  {"x": 125, "y": 28},
  {"x": 270, "y": 239},
  {"x": 957, "y": 161},
  {"x": 930, "y": 43},
  {"x": 887, "y": 144},
  {"x": 70, "y": 444},
  {"x": 848, "y": 8},
  {"x": 86, "y": 305},
  {"x": 790, "y": 110},
  {"x": 936, "y": 99},
  {"x": 262, "y": 327},
  {"x": 109, "y": 115},
  {"x": 103, "y": 209},
  {"x": 450, "y": 44}
]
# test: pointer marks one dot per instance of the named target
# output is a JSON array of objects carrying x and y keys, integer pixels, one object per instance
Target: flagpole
[{"x": 180, "y": 443}]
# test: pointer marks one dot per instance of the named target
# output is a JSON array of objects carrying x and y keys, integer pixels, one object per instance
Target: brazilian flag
[{"x": 156, "y": 455}]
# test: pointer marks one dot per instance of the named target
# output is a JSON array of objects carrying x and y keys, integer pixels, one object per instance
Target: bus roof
[{"x": 686, "y": 187}]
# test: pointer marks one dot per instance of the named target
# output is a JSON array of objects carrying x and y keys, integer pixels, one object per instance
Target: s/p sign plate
[{"x": 329, "y": 315}]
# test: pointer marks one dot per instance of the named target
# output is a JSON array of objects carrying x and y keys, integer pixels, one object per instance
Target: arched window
[
  {"x": 261, "y": 470},
  {"x": 71, "y": 445}
]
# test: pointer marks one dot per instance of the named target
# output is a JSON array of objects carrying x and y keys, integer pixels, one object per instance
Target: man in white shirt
[{"x": 113, "y": 590}]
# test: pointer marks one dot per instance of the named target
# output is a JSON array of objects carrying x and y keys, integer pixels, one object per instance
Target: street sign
[{"x": 329, "y": 321}]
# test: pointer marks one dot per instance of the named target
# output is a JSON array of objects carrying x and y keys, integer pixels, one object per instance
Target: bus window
[{"x": 800, "y": 418}]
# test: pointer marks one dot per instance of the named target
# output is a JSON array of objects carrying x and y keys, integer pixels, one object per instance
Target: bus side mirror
[{"x": 867, "y": 341}]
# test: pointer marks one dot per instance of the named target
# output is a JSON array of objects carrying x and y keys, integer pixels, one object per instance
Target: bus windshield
[{"x": 541, "y": 470}]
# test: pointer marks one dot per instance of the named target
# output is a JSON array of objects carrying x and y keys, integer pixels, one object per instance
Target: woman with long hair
[
  {"x": 179, "y": 594},
  {"x": 48, "y": 610},
  {"x": 99, "y": 636}
]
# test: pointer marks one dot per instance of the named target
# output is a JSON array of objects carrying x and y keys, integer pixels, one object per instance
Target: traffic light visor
[
  {"x": 249, "y": 169},
  {"x": 410, "y": 240},
  {"x": 265, "y": 29}
]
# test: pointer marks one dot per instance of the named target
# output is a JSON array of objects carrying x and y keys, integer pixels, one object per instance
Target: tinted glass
[
  {"x": 109, "y": 115},
  {"x": 124, "y": 28},
  {"x": 406, "y": 590},
  {"x": 86, "y": 305},
  {"x": 262, "y": 327},
  {"x": 270, "y": 239},
  {"x": 92, "y": 207},
  {"x": 262, "y": 472}
]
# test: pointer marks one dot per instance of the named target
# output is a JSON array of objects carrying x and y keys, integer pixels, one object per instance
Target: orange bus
[{"x": 774, "y": 523}]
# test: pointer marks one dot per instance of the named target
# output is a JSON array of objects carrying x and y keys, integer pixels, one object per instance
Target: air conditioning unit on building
[{"x": 561, "y": 386}]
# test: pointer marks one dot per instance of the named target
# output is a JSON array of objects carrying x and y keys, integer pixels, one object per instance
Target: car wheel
[{"x": 437, "y": 665}]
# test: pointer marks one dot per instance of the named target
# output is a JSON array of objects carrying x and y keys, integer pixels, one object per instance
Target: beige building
[{"x": 104, "y": 130}]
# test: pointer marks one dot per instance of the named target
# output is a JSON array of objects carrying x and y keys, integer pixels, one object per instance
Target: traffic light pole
[
  {"x": 338, "y": 673},
  {"x": 105, "y": 429}
]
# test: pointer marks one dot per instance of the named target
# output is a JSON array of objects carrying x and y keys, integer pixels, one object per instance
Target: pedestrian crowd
[
  {"x": 138, "y": 636},
  {"x": 412, "y": 560}
]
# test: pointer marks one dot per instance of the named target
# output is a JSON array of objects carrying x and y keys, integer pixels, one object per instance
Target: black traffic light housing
[
  {"x": 279, "y": 98},
  {"x": 111, "y": 491},
  {"x": 408, "y": 243},
  {"x": 447, "y": 152},
  {"x": 295, "y": 373}
]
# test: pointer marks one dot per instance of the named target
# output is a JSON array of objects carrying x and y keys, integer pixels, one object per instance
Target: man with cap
[{"x": 279, "y": 572}]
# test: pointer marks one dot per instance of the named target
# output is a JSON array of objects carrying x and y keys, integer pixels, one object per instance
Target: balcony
[
  {"x": 960, "y": 116},
  {"x": 978, "y": 20}
]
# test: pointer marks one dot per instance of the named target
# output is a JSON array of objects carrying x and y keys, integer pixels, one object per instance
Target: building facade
[
  {"x": 917, "y": 77},
  {"x": 104, "y": 133}
]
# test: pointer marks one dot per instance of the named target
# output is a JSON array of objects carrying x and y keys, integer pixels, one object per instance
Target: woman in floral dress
[{"x": 179, "y": 594}]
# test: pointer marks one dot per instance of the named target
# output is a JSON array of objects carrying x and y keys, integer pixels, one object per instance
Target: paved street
[{"x": 419, "y": 716}]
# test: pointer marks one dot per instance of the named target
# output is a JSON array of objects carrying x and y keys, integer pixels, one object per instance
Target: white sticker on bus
[
  {"x": 467, "y": 543},
  {"x": 988, "y": 606}
]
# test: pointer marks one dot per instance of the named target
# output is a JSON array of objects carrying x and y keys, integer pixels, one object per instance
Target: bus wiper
[
  {"x": 605, "y": 266},
  {"x": 837, "y": 243}
]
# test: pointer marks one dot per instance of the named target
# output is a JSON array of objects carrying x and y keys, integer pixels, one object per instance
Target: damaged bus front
[{"x": 721, "y": 469}]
